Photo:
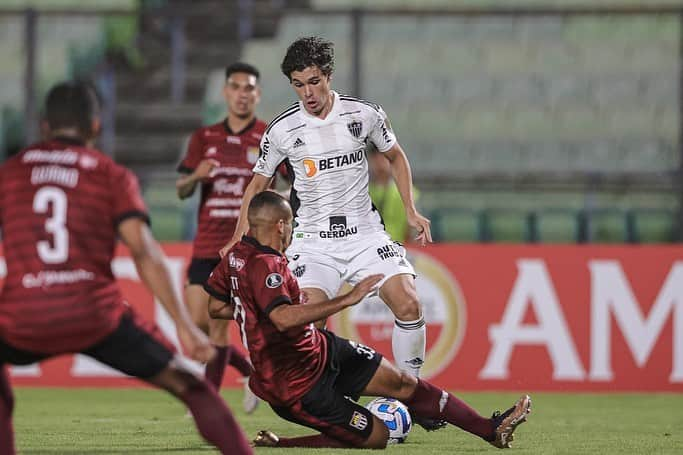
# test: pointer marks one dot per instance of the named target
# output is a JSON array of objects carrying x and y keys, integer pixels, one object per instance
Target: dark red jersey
[
  {"x": 221, "y": 194},
  {"x": 60, "y": 205},
  {"x": 286, "y": 364}
]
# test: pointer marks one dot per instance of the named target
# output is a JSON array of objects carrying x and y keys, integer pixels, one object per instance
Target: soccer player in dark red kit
[
  {"x": 311, "y": 376},
  {"x": 220, "y": 158},
  {"x": 62, "y": 206}
]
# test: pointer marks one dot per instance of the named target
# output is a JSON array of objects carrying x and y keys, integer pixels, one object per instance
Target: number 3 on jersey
[{"x": 57, "y": 251}]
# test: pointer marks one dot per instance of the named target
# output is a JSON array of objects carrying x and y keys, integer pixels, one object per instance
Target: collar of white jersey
[{"x": 336, "y": 106}]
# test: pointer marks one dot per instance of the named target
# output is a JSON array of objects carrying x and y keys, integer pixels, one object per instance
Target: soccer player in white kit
[{"x": 338, "y": 234}]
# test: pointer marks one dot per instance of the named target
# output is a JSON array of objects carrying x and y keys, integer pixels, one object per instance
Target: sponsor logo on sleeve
[
  {"x": 274, "y": 280},
  {"x": 385, "y": 132}
]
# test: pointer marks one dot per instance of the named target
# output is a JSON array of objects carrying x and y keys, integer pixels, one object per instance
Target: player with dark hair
[
  {"x": 311, "y": 376},
  {"x": 339, "y": 235},
  {"x": 62, "y": 206},
  {"x": 220, "y": 158}
]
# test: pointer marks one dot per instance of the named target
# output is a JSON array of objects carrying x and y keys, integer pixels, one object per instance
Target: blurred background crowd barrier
[{"x": 524, "y": 121}]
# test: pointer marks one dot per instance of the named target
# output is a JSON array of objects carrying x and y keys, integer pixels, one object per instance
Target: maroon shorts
[{"x": 136, "y": 347}]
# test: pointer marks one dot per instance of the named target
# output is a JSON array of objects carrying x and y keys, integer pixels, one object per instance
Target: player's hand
[
  {"x": 363, "y": 288},
  {"x": 195, "y": 343},
  {"x": 203, "y": 171},
  {"x": 423, "y": 227},
  {"x": 223, "y": 251}
]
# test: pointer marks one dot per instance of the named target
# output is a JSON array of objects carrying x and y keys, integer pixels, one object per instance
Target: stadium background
[{"x": 528, "y": 124}]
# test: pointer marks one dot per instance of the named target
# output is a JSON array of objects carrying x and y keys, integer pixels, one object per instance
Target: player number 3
[{"x": 57, "y": 251}]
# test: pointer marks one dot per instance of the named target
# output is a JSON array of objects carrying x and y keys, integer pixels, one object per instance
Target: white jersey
[{"x": 327, "y": 157}]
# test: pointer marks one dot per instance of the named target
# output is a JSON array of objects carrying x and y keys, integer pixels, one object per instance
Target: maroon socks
[
  {"x": 226, "y": 355},
  {"x": 214, "y": 420},
  {"x": 239, "y": 361},
  {"x": 6, "y": 407},
  {"x": 216, "y": 367},
  {"x": 433, "y": 403}
]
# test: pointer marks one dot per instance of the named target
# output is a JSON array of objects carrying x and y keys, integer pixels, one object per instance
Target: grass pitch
[{"x": 106, "y": 421}]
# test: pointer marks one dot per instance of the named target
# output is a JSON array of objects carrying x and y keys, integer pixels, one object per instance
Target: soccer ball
[{"x": 395, "y": 416}]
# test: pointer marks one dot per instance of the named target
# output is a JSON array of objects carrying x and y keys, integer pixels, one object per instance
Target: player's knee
[
  {"x": 408, "y": 308},
  {"x": 400, "y": 296},
  {"x": 177, "y": 380}
]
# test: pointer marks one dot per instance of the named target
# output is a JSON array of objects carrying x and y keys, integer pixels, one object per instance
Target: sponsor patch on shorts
[{"x": 358, "y": 421}]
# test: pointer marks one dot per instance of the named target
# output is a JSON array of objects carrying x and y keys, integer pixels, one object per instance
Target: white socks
[{"x": 408, "y": 343}]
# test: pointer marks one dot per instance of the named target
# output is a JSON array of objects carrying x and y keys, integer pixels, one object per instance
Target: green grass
[{"x": 93, "y": 421}]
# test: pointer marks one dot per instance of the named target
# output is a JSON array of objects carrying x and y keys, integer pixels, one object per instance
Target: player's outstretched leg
[
  {"x": 434, "y": 403},
  {"x": 214, "y": 420},
  {"x": 377, "y": 437},
  {"x": 242, "y": 364},
  {"x": 427, "y": 401},
  {"x": 266, "y": 438},
  {"x": 6, "y": 408},
  {"x": 239, "y": 361},
  {"x": 215, "y": 369}
]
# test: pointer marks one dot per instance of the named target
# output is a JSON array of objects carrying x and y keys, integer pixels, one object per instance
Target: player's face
[
  {"x": 242, "y": 94},
  {"x": 313, "y": 89}
]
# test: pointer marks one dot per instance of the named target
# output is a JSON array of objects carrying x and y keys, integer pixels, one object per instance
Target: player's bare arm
[
  {"x": 285, "y": 317},
  {"x": 258, "y": 183},
  {"x": 219, "y": 309},
  {"x": 400, "y": 168},
  {"x": 186, "y": 184},
  {"x": 151, "y": 266}
]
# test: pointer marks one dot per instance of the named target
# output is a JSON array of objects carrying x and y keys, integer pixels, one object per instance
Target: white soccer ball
[{"x": 395, "y": 416}]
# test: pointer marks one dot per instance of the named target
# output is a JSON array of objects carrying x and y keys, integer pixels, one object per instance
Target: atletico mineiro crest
[{"x": 355, "y": 128}]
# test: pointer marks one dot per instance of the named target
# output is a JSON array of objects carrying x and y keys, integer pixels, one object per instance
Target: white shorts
[{"x": 325, "y": 263}]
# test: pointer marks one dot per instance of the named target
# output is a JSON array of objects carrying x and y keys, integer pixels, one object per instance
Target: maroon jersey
[
  {"x": 60, "y": 205},
  {"x": 221, "y": 194},
  {"x": 286, "y": 364}
]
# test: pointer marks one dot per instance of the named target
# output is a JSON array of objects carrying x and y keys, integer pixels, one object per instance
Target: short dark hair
[
  {"x": 268, "y": 199},
  {"x": 308, "y": 51},
  {"x": 72, "y": 105},
  {"x": 241, "y": 67}
]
